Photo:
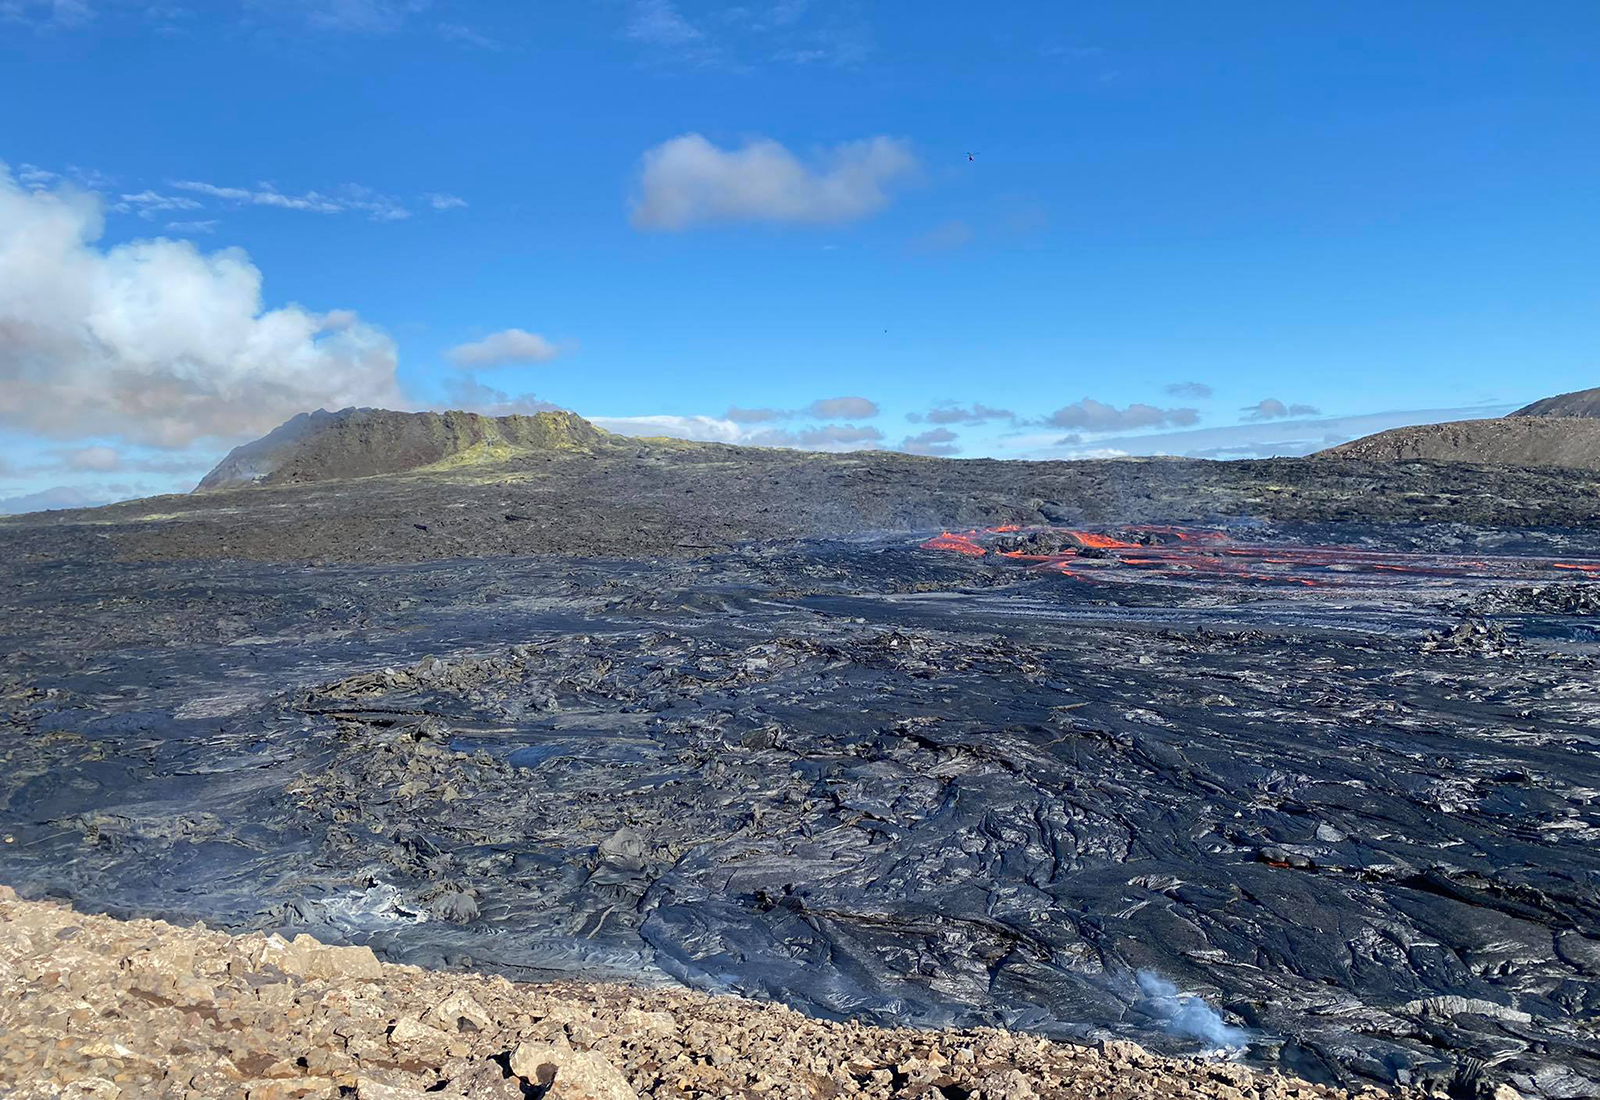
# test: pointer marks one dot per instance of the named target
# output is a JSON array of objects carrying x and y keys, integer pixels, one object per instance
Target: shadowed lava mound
[
  {"x": 1577, "y": 403},
  {"x": 1556, "y": 431}
]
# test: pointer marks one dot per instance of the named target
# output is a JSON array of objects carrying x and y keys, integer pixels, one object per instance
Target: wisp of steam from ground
[{"x": 1187, "y": 1015}]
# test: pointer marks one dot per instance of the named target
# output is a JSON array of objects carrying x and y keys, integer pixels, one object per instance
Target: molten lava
[
  {"x": 961, "y": 544},
  {"x": 1178, "y": 553}
]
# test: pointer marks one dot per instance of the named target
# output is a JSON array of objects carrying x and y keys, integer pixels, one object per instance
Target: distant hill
[
  {"x": 324, "y": 446},
  {"x": 1521, "y": 439},
  {"x": 1578, "y": 403}
]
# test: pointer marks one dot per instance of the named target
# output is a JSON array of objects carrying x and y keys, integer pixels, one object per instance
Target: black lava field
[{"x": 1327, "y": 797}]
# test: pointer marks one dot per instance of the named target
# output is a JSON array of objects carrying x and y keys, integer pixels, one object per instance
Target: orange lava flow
[
  {"x": 1103, "y": 542},
  {"x": 1204, "y": 555},
  {"x": 961, "y": 544}
]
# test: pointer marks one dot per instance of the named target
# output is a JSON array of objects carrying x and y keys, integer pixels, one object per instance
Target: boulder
[{"x": 569, "y": 1074}]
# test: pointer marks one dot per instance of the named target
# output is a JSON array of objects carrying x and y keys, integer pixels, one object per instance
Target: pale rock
[
  {"x": 370, "y": 1088},
  {"x": 450, "y": 1012},
  {"x": 413, "y": 1034},
  {"x": 635, "y": 1021},
  {"x": 1007, "y": 1085},
  {"x": 570, "y": 1074}
]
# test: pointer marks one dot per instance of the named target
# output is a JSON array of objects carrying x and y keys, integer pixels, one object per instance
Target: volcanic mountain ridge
[{"x": 326, "y": 446}]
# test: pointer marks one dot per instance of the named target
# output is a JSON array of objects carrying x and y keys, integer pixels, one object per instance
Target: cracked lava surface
[{"x": 1337, "y": 782}]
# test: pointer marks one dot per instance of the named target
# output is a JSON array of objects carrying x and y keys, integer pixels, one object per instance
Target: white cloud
[
  {"x": 206, "y": 225},
  {"x": 710, "y": 429},
  {"x": 707, "y": 429},
  {"x": 98, "y": 459},
  {"x": 1272, "y": 409},
  {"x": 33, "y": 177},
  {"x": 444, "y": 202},
  {"x": 155, "y": 342},
  {"x": 824, "y": 437},
  {"x": 935, "y": 441},
  {"x": 509, "y": 347},
  {"x": 824, "y": 408},
  {"x": 845, "y": 408},
  {"x": 688, "y": 181},
  {"x": 757, "y": 416},
  {"x": 1096, "y": 416},
  {"x": 950, "y": 413}
]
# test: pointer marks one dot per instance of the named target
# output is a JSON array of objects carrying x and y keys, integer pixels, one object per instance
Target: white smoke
[
  {"x": 155, "y": 342},
  {"x": 1186, "y": 1015}
]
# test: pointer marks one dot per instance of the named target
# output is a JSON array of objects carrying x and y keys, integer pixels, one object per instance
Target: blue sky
[{"x": 653, "y": 212}]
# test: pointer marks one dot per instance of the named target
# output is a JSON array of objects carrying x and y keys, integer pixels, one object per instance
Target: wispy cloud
[
  {"x": 147, "y": 204},
  {"x": 688, "y": 182},
  {"x": 464, "y": 35},
  {"x": 1193, "y": 390},
  {"x": 194, "y": 228},
  {"x": 945, "y": 237},
  {"x": 263, "y": 195},
  {"x": 191, "y": 196},
  {"x": 349, "y": 198},
  {"x": 360, "y": 16},
  {"x": 659, "y": 23},
  {"x": 47, "y": 14}
]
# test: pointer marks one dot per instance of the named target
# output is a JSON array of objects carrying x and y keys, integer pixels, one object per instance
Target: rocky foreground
[{"x": 95, "y": 1007}]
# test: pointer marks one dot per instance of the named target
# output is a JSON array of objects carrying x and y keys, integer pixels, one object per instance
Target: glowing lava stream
[{"x": 1209, "y": 554}]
